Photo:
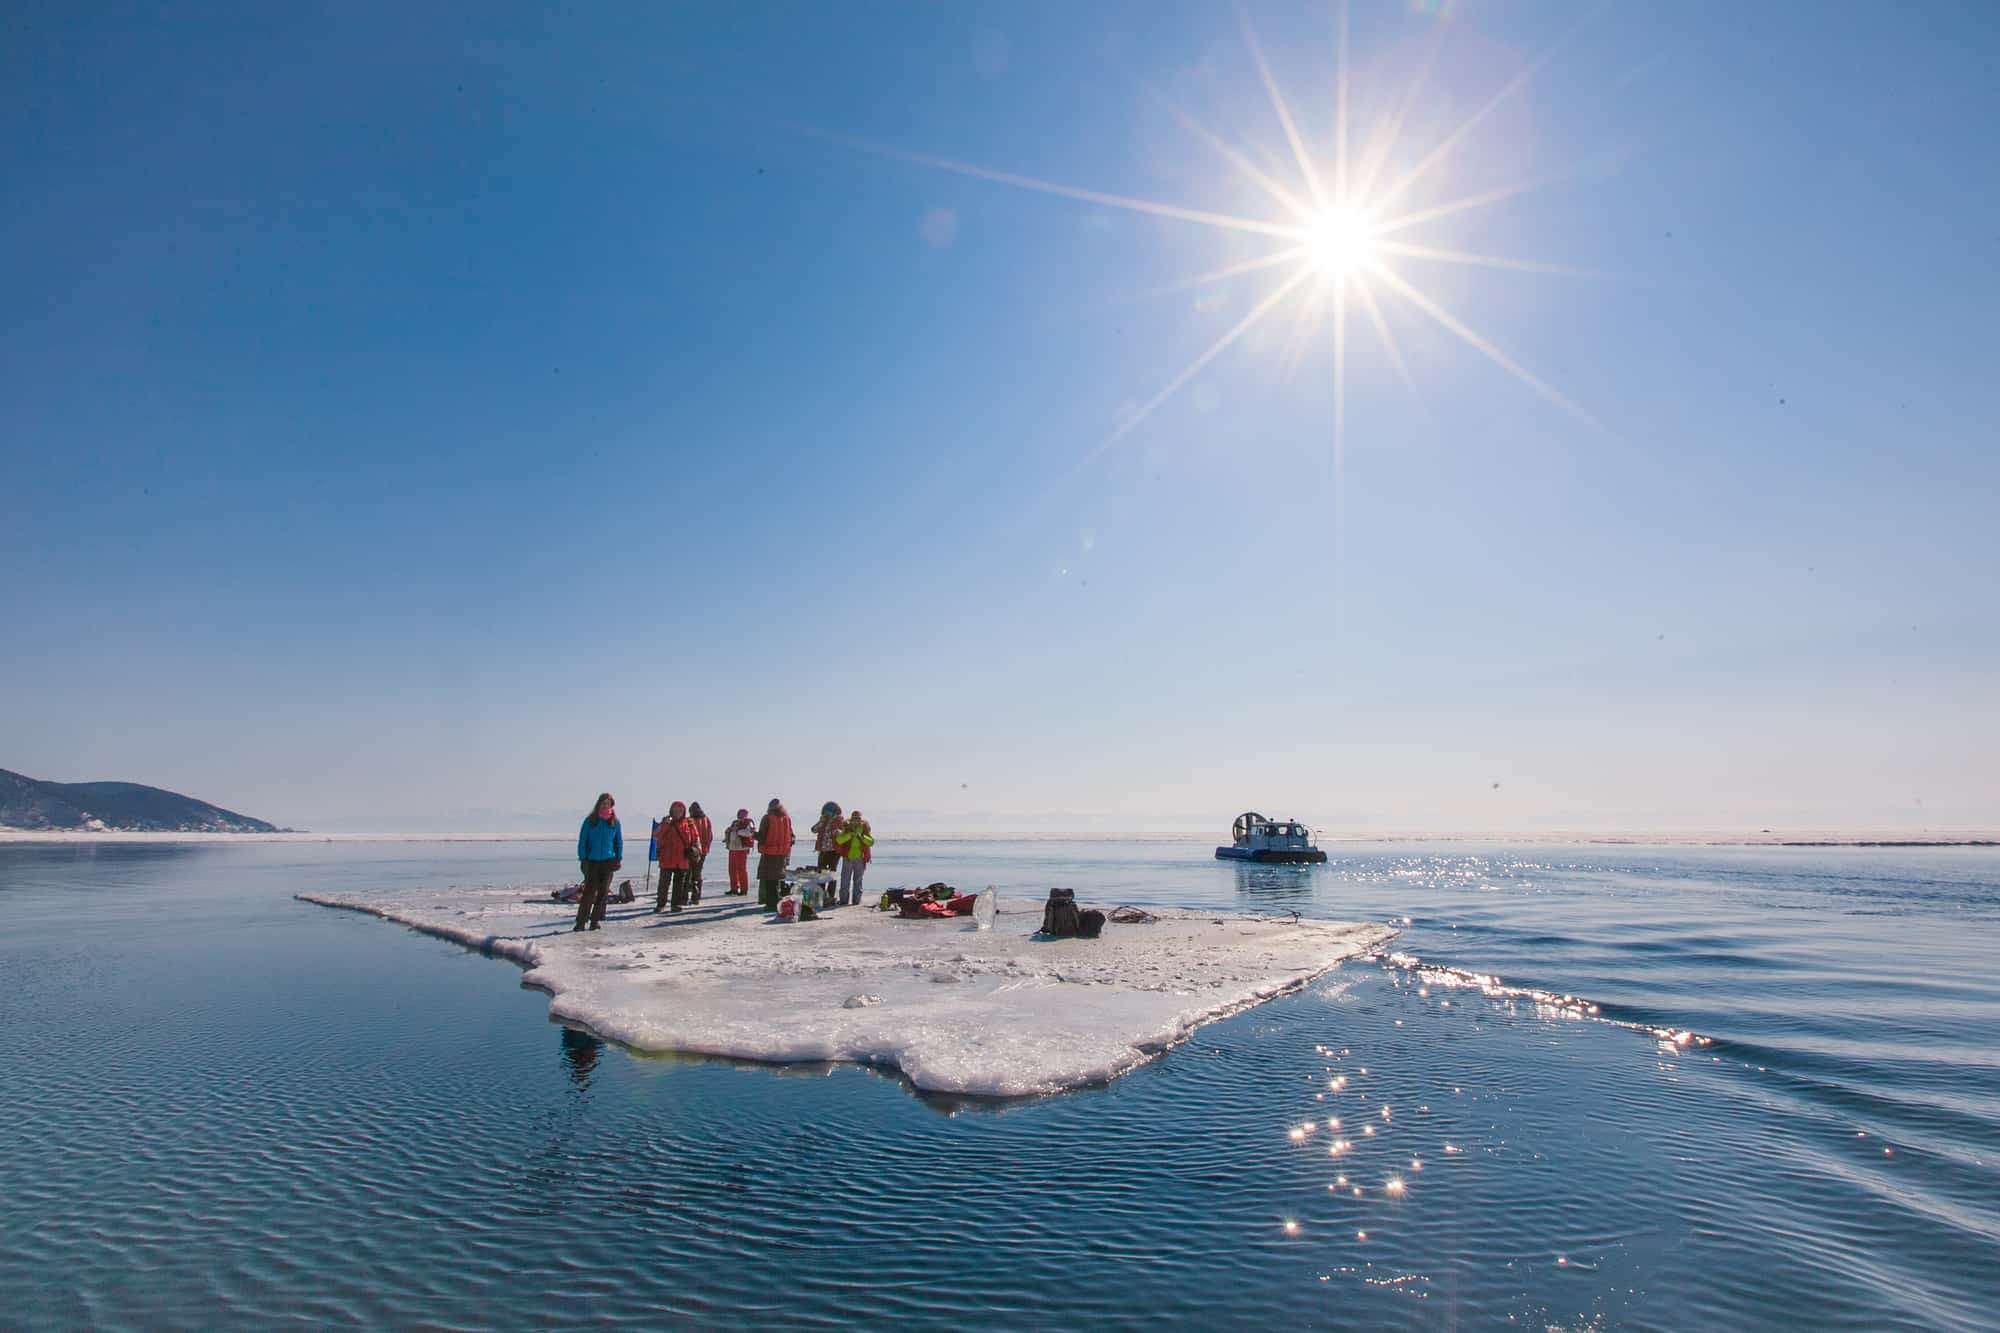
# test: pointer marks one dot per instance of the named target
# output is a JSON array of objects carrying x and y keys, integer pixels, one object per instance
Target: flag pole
[{"x": 652, "y": 855}]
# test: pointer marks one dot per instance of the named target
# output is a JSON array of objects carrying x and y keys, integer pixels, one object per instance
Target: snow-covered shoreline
[{"x": 957, "y": 1010}]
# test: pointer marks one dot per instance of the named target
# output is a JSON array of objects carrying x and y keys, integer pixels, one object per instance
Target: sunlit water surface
[{"x": 224, "y": 1106}]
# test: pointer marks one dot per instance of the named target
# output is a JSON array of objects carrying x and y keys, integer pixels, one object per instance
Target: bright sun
[
  {"x": 1339, "y": 238},
  {"x": 1341, "y": 241}
]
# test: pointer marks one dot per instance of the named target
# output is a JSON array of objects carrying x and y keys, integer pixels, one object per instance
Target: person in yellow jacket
[{"x": 853, "y": 842}]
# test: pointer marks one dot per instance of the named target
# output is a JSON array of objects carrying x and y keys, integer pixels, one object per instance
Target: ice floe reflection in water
[{"x": 276, "y": 1112}]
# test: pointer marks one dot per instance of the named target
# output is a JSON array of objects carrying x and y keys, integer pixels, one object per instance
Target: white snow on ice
[{"x": 992, "y": 1013}]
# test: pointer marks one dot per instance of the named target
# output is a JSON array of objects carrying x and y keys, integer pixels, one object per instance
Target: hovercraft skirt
[{"x": 1312, "y": 856}]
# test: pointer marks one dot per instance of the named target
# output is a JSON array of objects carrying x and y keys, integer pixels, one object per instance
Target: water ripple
[{"x": 264, "y": 1115}]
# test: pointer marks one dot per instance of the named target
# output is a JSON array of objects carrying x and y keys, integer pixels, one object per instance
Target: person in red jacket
[
  {"x": 676, "y": 837},
  {"x": 774, "y": 848},
  {"x": 739, "y": 838},
  {"x": 704, "y": 837}
]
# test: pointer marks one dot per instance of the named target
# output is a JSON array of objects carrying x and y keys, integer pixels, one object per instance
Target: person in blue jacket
[{"x": 600, "y": 849}]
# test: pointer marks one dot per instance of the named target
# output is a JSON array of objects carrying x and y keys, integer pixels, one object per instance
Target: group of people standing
[{"x": 683, "y": 840}]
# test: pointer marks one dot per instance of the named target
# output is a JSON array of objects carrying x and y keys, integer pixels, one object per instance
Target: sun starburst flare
[{"x": 1341, "y": 243}]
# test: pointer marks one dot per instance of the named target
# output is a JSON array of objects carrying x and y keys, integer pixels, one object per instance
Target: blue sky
[{"x": 420, "y": 418}]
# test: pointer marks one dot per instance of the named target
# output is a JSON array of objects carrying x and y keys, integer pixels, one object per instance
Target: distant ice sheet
[{"x": 984, "y": 1013}]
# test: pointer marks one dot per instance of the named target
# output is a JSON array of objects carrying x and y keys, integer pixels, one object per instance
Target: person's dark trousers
[
  {"x": 770, "y": 880},
  {"x": 596, "y": 889},
  {"x": 694, "y": 875},
  {"x": 683, "y": 880}
]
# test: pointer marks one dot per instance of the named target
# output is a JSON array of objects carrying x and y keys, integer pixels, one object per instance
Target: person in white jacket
[{"x": 738, "y": 839}]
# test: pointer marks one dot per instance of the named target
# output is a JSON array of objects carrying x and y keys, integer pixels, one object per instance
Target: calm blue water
[{"x": 224, "y": 1106}]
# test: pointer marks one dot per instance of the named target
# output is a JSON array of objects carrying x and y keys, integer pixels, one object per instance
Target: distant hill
[{"x": 30, "y": 803}]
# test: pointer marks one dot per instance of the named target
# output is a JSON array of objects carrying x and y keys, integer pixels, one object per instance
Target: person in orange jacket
[
  {"x": 676, "y": 838},
  {"x": 704, "y": 836},
  {"x": 774, "y": 849}
]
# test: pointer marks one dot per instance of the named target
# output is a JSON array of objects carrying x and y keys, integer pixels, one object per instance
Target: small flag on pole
[{"x": 653, "y": 842}]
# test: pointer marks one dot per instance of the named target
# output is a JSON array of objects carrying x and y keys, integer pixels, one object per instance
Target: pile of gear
[
  {"x": 930, "y": 902},
  {"x": 1062, "y": 919},
  {"x": 808, "y": 893},
  {"x": 569, "y": 893}
]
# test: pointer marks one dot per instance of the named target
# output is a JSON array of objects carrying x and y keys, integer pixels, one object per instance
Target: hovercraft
[{"x": 1261, "y": 839}]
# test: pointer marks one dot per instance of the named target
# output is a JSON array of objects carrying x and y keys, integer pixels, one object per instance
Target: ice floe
[{"x": 996, "y": 1013}]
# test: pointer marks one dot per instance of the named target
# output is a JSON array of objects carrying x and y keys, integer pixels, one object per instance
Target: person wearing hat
[
  {"x": 823, "y": 835},
  {"x": 737, "y": 839},
  {"x": 704, "y": 838},
  {"x": 774, "y": 848},
  {"x": 677, "y": 842},
  {"x": 854, "y": 840}
]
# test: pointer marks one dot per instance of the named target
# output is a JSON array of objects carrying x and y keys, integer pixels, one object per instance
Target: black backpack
[{"x": 1060, "y": 918}]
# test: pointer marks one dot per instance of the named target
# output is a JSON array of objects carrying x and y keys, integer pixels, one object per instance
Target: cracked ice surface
[{"x": 985, "y": 1013}]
